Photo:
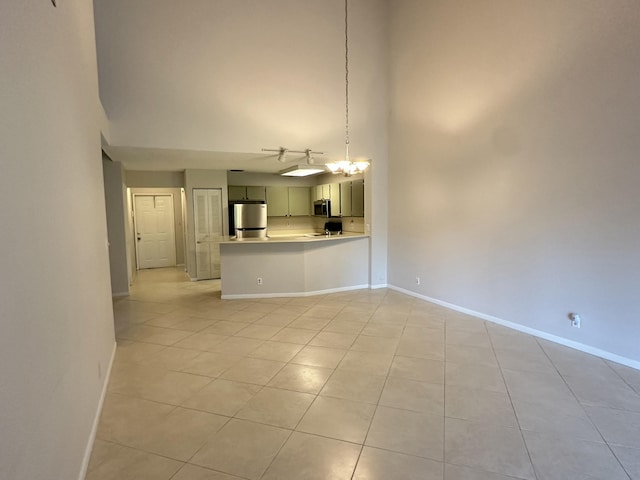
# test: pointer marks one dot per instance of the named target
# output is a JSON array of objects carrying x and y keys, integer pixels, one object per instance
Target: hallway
[{"x": 368, "y": 384}]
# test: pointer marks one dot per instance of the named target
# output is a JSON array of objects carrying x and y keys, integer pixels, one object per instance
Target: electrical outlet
[
  {"x": 575, "y": 320},
  {"x": 259, "y": 280},
  {"x": 417, "y": 280}
]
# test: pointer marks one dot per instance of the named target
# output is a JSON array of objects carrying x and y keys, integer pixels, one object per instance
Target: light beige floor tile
[
  {"x": 301, "y": 378},
  {"x": 294, "y": 335},
  {"x": 466, "y": 338},
  {"x": 201, "y": 341},
  {"x": 508, "y": 339},
  {"x": 572, "y": 362},
  {"x": 419, "y": 369},
  {"x": 212, "y": 364},
  {"x": 253, "y": 370},
  {"x": 223, "y": 397},
  {"x": 427, "y": 334},
  {"x": 242, "y": 448},
  {"x": 245, "y": 316},
  {"x": 310, "y": 457},
  {"x": 323, "y": 310},
  {"x": 194, "y": 324},
  {"x": 618, "y": 394},
  {"x": 462, "y": 321},
  {"x": 629, "y": 458},
  {"x": 153, "y": 427},
  {"x": 383, "y": 330},
  {"x": 129, "y": 351},
  {"x": 388, "y": 317},
  {"x": 237, "y": 346},
  {"x": 545, "y": 388},
  {"x": 558, "y": 459},
  {"x": 628, "y": 374},
  {"x": 274, "y": 406},
  {"x": 525, "y": 360},
  {"x": 319, "y": 356},
  {"x": 357, "y": 386},
  {"x": 172, "y": 358},
  {"x": 192, "y": 472},
  {"x": 153, "y": 383},
  {"x": 279, "y": 351},
  {"x": 376, "y": 464},
  {"x": 458, "y": 472},
  {"x": 474, "y": 355},
  {"x": 365, "y": 343},
  {"x": 310, "y": 323},
  {"x": 261, "y": 332},
  {"x": 157, "y": 335},
  {"x": 276, "y": 319},
  {"x": 565, "y": 420},
  {"x": 407, "y": 432},
  {"x": 349, "y": 325},
  {"x": 616, "y": 426},
  {"x": 466, "y": 444},
  {"x": 474, "y": 376},
  {"x": 226, "y": 328},
  {"x": 124, "y": 463},
  {"x": 333, "y": 339},
  {"x": 480, "y": 406},
  {"x": 338, "y": 418},
  {"x": 411, "y": 395},
  {"x": 366, "y": 362},
  {"x": 415, "y": 347}
]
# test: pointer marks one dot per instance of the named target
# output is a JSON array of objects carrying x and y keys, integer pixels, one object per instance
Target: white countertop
[{"x": 294, "y": 238}]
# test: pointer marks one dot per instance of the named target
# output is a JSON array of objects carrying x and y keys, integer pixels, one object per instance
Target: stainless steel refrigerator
[{"x": 250, "y": 220}]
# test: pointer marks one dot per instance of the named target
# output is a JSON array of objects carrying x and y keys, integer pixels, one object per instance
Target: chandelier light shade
[{"x": 346, "y": 167}]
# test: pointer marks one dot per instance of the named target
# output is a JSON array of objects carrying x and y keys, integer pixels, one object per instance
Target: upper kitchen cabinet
[
  {"x": 345, "y": 199},
  {"x": 321, "y": 192},
  {"x": 288, "y": 201},
  {"x": 357, "y": 198},
  {"x": 334, "y": 196},
  {"x": 239, "y": 193}
]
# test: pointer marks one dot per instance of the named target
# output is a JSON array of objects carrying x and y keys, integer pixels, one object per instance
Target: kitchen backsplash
[{"x": 296, "y": 225}]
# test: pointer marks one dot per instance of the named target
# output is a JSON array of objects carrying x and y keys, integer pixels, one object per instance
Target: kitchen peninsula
[{"x": 294, "y": 265}]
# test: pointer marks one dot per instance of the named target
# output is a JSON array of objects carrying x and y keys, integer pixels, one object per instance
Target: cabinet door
[
  {"x": 326, "y": 192},
  {"x": 299, "y": 201},
  {"x": 357, "y": 198},
  {"x": 317, "y": 192},
  {"x": 237, "y": 193},
  {"x": 345, "y": 199},
  {"x": 255, "y": 193},
  {"x": 277, "y": 201},
  {"x": 334, "y": 196}
]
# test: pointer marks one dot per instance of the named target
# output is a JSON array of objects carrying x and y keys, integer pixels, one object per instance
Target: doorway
[
  {"x": 154, "y": 231},
  {"x": 207, "y": 213}
]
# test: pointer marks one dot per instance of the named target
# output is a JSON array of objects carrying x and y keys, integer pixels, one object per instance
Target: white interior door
[
  {"x": 207, "y": 205},
  {"x": 155, "y": 234}
]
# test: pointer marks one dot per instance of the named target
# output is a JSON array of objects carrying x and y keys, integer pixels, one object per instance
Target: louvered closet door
[{"x": 208, "y": 230}]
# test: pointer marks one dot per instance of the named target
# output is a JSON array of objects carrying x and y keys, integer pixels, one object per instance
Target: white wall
[
  {"x": 115, "y": 198},
  {"x": 514, "y": 176},
  {"x": 56, "y": 321}
]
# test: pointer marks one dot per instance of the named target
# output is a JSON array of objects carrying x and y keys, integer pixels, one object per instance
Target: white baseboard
[
  {"x": 531, "y": 331},
  {"x": 96, "y": 420},
  {"x": 291, "y": 294},
  {"x": 379, "y": 285}
]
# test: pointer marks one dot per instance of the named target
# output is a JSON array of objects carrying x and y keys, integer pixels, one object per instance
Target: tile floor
[{"x": 369, "y": 384}]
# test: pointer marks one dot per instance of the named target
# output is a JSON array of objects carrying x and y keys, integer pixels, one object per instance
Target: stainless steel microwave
[{"x": 322, "y": 208}]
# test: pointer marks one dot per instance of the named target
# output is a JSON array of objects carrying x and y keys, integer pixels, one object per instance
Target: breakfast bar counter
[{"x": 294, "y": 265}]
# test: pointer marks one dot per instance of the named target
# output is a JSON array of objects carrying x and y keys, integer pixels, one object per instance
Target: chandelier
[{"x": 347, "y": 167}]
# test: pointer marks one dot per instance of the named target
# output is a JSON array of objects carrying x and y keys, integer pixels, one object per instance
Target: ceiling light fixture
[
  {"x": 346, "y": 167},
  {"x": 302, "y": 171}
]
